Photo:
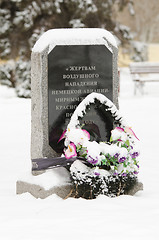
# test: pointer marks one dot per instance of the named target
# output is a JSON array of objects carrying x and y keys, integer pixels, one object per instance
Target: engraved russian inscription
[{"x": 73, "y": 72}]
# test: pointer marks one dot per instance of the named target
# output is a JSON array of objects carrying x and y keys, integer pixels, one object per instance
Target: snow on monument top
[{"x": 74, "y": 37}]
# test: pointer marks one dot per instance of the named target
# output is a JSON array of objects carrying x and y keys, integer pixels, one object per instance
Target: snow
[
  {"x": 76, "y": 136},
  {"x": 76, "y": 23},
  {"x": 5, "y": 24},
  {"x": 131, "y": 8},
  {"x": 125, "y": 217},
  {"x": 74, "y": 36},
  {"x": 79, "y": 171},
  {"x": 47, "y": 180},
  {"x": 116, "y": 134}
]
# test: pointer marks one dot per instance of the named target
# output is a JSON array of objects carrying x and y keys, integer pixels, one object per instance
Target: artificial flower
[
  {"x": 62, "y": 136},
  {"x": 124, "y": 174},
  {"x": 120, "y": 129},
  {"x": 119, "y": 154},
  {"x": 135, "y": 154},
  {"x": 86, "y": 133},
  {"x": 131, "y": 132},
  {"x": 71, "y": 151},
  {"x": 118, "y": 134},
  {"x": 77, "y": 135},
  {"x": 92, "y": 160},
  {"x": 116, "y": 155},
  {"x": 122, "y": 159},
  {"x": 96, "y": 171}
]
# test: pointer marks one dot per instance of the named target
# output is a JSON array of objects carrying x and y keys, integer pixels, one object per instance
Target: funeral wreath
[{"x": 108, "y": 167}]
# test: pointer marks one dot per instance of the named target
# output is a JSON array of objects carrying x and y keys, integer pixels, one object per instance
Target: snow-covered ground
[{"x": 124, "y": 217}]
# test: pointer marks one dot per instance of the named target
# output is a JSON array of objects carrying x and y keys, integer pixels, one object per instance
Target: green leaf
[
  {"x": 127, "y": 143},
  {"x": 111, "y": 139},
  {"x": 104, "y": 161},
  {"x": 124, "y": 164},
  {"x": 84, "y": 155},
  {"x": 78, "y": 147}
]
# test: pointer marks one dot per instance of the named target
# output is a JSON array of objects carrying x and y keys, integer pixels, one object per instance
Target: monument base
[
  {"x": 45, "y": 183},
  {"x": 40, "y": 192},
  {"x": 137, "y": 187},
  {"x": 62, "y": 191}
]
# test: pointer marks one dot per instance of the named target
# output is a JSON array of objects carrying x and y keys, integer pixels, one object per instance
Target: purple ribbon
[{"x": 49, "y": 163}]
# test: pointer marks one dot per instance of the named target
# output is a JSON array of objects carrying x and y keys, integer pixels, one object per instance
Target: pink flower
[
  {"x": 120, "y": 129},
  {"x": 131, "y": 132},
  {"x": 71, "y": 151},
  {"x": 62, "y": 136},
  {"x": 117, "y": 134},
  {"x": 127, "y": 130},
  {"x": 86, "y": 134}
]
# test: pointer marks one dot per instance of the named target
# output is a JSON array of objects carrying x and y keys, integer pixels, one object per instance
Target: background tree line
[{"x": 23, "y": 21}]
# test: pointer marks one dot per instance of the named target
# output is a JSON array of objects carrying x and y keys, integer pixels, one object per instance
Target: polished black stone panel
[{"x": 74, "y": 72}]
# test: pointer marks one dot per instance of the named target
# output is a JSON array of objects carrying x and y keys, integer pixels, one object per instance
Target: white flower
[
  {"x": 93, "y": 149},
  {"x": 77, "y": 136},
  {"x": 118, "y": 134}
]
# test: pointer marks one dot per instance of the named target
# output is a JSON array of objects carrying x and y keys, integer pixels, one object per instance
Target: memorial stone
[{"x": 67, "y": 65}]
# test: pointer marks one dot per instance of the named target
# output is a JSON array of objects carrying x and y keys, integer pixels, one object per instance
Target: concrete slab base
[
  {"x": 138, "y": 187},
  {"x": 62, "y": 191},
  {"x": 39, "y": 192}
]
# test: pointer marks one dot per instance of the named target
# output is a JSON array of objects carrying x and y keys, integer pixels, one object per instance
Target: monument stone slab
[{"x": 67, "y": 65}]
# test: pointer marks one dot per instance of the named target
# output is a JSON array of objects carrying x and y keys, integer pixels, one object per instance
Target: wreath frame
[{"x": 89, "y": 179}]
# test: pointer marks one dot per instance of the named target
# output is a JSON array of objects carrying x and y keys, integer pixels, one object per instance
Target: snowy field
[{"x": 125, "y": 217}]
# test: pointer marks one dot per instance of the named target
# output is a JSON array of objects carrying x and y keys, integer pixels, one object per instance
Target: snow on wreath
[{"x": 108, "y": 167}]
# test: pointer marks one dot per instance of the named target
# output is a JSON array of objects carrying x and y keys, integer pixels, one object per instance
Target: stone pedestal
[{"x": 40, "y": 192}]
